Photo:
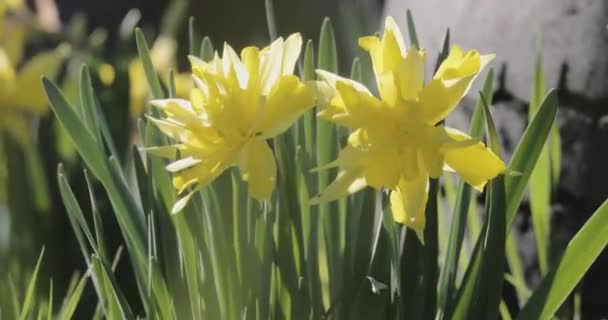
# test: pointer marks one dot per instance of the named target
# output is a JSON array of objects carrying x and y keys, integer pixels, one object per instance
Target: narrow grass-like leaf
[
  {"x": 70, "y": 304},
  {"x": 49, "y": 313},
  {"x": 556, "y": 155},
  {"x": 128, "y": 214},
  {"x": 75, "y": 215},
  {"x": 540, "y": 179},
  {"x": 491, "y": 274},
  {"x": 308, "y": 75},
  {"x": 206, "y": 52},
  {"x": 194, "y": 37},
  {"x": 106, "y": 134},
  {"x": 328, "y": 53},
  {"x": 355, "y": 70},
  {"x": 87, "y": 104},
  {"x": 89, "y": 150},
  {"x": 146, "y": 60},
  {"x": 174, "y": 16},
  {"x": 431, "y": 251},
  {"x": 527, "y": 153},
  {"x": 271, "y": 20},
  {"x": 411, "y": 29},
  {"x": 116, "y": 296},
  {"x": 326, "y": 152},
  {"x": 97, "y": 224},
  {"x": 578, "y": 257},
  {"x": 504, "y": 311},
  {"x": 461, "y": 209},
  {"x": 31, "y": 289},
  {"x": 37, "y": 177}
]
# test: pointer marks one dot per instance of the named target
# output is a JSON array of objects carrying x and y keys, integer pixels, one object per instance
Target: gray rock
[
  {"x": 573, "y": 36},
  {"x": 571, "y": 32}
]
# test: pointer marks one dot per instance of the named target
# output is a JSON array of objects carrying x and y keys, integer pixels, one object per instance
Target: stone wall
[{"x": 573, "y": 36}]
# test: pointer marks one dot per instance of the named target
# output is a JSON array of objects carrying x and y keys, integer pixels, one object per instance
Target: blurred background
[{"x": 570, "y": 35}]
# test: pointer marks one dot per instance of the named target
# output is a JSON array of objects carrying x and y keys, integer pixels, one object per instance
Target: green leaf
[
  {"x": 271, "y": 20},
  {"x": 556, "y": 155},
  {"x": 578, "y": 257},
  {"x": 411, "y": 29},
  {"x": 447, "y": 282},
  {"x": 328, "y": 53},
  {"x": 128, "y": 214},
  {"x": 37, "y": 177},
  {"x": 116, "y": 297},
  {"x": 81, "y": 137},
  {"x": 355, "y": 70},
  {"x": 97, "y": 224},
  {"x": 146, "y": 60},
  {"x": 540, "y": 179},
  {"x": 431, "y": 251},
  {"x": 308, "y": 75},
  {"x": 173, "y": 17},
  {"x": 445, "y": 51},
  {"x": 87, "y": 104},
  {"x": 193, "y": 37},
  {"x": 31, "y": 289},
  {"x": 71, "y": 302},
  {"x": 327, "y": 150},
  {"x": 75, "y": 215},
  {"x": 93, "y": 117},
  {"x": 491, "y": 273},
  {"x": 490, "y": 278},
  {"x": 206, "y": 52},
  {"x": 527, "y": 153}
]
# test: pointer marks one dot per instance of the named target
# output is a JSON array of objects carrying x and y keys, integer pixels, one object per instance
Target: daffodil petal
[
  {"x": 181, "y": 203},
  {"x": 174, "y": 106},
  {"x": 291, "y": 53},
  {"x": 332, "y": 79},
  {"x": 288, "y": 99},
  {"x": 233, "y": 65},
  {"x": 183, "y": 85},
  {"x": 459, "y": 64},
  {"x": 347, "y": 182},
  {"x": 408, "y": 203},
  {"x": 183, "y": 164},
  {"x": 271, "y": 65},
  {"x": 258, "y": 168},
  {"x": 393, "y": 48},
  {"x": 353, "y": 107},
  {"x": 200, "y": 174},
  {"x": 163, "y": 53},
  {"x": 451, "y": 83},
  {"x": 410, "y": 74},
  {"x": 29, "y": 94},
  {"x": 251, "y": 61},
  {"x": 167, "y": 152},
  {"x": 432, "y": 160},
  {"x": 382, "y": 166},
  {"x": 476, "y": 164}
]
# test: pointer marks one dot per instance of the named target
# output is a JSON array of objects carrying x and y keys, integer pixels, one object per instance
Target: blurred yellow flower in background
[
  {"x": 21, "y": 93},
  {"x": 107, "y": 74},
  {"x": 396, "y": 141},
  {"x": 163, "y": 58},
  {"x": 237, "y": 104}
]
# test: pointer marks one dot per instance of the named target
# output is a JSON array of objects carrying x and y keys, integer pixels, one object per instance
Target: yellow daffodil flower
[
  {"x": 236, "y": 105},
  {"x": 21, "y": 93},
  {"x": 162, "y": 55},
  {"x": 396, "y": 141}
]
